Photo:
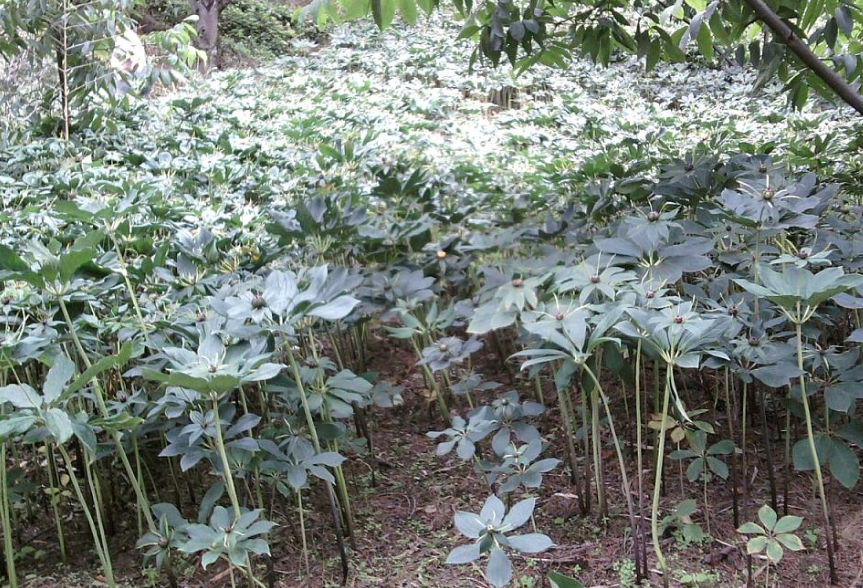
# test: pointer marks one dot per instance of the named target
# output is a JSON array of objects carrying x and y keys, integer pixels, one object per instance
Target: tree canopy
[{"x": 814, "y": 46}]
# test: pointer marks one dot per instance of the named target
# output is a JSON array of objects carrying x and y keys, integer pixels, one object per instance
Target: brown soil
[{"x": 405, "y": 530}]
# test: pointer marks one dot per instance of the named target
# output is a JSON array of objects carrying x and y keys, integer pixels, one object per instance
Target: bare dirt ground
[{"x": 404, "y": 515}]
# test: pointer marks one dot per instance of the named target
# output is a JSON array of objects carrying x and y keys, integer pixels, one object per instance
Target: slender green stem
[
  {"x": 55, "y": 499},
  {"x": 310, "y": 423},
  {"x": 8, "y": 546},
  {"x": 729, "y": 409},
  {"x": 657, "y": 482},
  {"x": 341, "y": 483},
  {"x": 569, "y": 428},
  {"x": 587, "y": 452},
  {"x": 96, "y": 493},
  {"x": 620, "y": 459},
  {"x": 228, "y": 476},
  {"x": 788, "y": 460},
  {"x": 706, "y": 504},
  {"x": 639, "y": 454},
  {"x": 432, "y": 381},
  {"x": 303, "y": 530},
  {"x": 810, "y": 436},
  {"x": 132, "y": 296},
  {"x": 538, "y": 384},
  {"x": 141, "y": 497},
  {"x": 597, "y": 454},
  {"x": 76, "y": 486},
  {"x": 139, "y": 473},
  {"x": 223, "y": 456},
  {"x": 744, "y": 429}
]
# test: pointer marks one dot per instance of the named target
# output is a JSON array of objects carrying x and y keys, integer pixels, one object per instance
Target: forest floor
[
  {"x": 420, "y": 100},
  {"x": 404, "y": 500}
]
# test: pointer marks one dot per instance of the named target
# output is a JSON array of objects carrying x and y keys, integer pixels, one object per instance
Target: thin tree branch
[{"x": 784, "y": 33}]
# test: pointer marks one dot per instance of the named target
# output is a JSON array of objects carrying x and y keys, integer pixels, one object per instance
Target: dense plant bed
[{"x": 623, "y": 311}]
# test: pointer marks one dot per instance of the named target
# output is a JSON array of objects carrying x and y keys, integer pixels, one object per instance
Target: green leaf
[
  {"x": 705, "y": 42},
  {"x": 520, "y": 513},
  {"x": 58, "y": 424},
  {"x": 560, "y": 581},
  {"x": 790, "y": 541},
  {"x": 693, "y": 472},
  {"x": 756, "y": 545},
  {"x": 685, "y": 508},
  {"x": 122, "y": 421},
  {"x": 408, "y": 10},
  {"x": 84, "y": 432},
  {"x": 777, "y": 375},
  {"x": 16, "y": 425},
  {"x": 58, "y": 376},
  {"x": 103, "y": 365},
  {"x": 489, "y": 318},
  {"x": 802, "y": 454},
  {"x": 20, "y": 396},
  {"x": 725, "y": 447},
  {"x": 209, "y": 501},
  {"x": 774, "y": 551},
  {"x": 837, "y": 398},
  {"x": 464, "y": 554},
  {"x": 852, "y": 432},
  {"x": 469, "y": 524},
  {"x": 11, "y": 261},
  {"x": 750, "y": 529},
  {"x": 469, "y": 29},
  {"x": 530, "y": 542},
  {"x": 767, "y": 516},
  {"x": 718, "y": 467},
  {"x": 788, "y": 524},
  {"x": 383, "y": 12},
  {"x": 844, "y": 465},
  {"x": 427, "y": 6},
  {"x": 336, "y": 309},
  {"x": 654, "y": 52},
  {"x": 499, "y": 570},
  {"x": 82, "y": 251}
]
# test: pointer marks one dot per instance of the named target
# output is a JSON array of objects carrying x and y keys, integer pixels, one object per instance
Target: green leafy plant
[
  {"x": 490, "y": 530},
  {"x": 773, "y": 536}
]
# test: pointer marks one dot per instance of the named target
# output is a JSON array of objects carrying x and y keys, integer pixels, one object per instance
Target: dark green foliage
[{"x": 256, "y": 29}]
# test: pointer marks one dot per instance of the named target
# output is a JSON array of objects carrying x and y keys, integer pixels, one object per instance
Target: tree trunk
[
  {"x": 799, "y": 47},
  {"x": 208, "y": 30}
]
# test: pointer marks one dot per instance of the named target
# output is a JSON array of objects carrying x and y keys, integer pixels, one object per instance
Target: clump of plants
[{"x": 206, "y": 311}]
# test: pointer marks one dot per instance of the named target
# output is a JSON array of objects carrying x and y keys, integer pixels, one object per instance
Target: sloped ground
[
  {"x": 405, "y": 497},
  {"x": 405, "y": 98}
]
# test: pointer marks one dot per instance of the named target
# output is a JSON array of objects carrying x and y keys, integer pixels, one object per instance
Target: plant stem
[
  {"x": 569, "y": 429},
  {"x": 310, "y": 423},
  {"x": 729, "y": 409},
  {"x": 143, "y": 503},
  {"x": 432, "y": 381},
  {"x": 768, "y": 452},
  {"x": 810, "y": 436},
  {"x": 103, "y": 557},
  {"x": 597, "y": 454},
  {"x": 622, "y": 463},
  {"x": 223, "y": 456},
  {"x": 657, "y": 482},
  {"x": 639, "y": 457},
  {"x": 132, "y": 296},
  {"x": 586, "y": 437},
  {"x": 96, "y": 493},
  {"x": 303, "y": 530},
  {"x": 55, "y": 499},
  {"x": 341, "y": 483},
  {"x": 8, "y": 547}
]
